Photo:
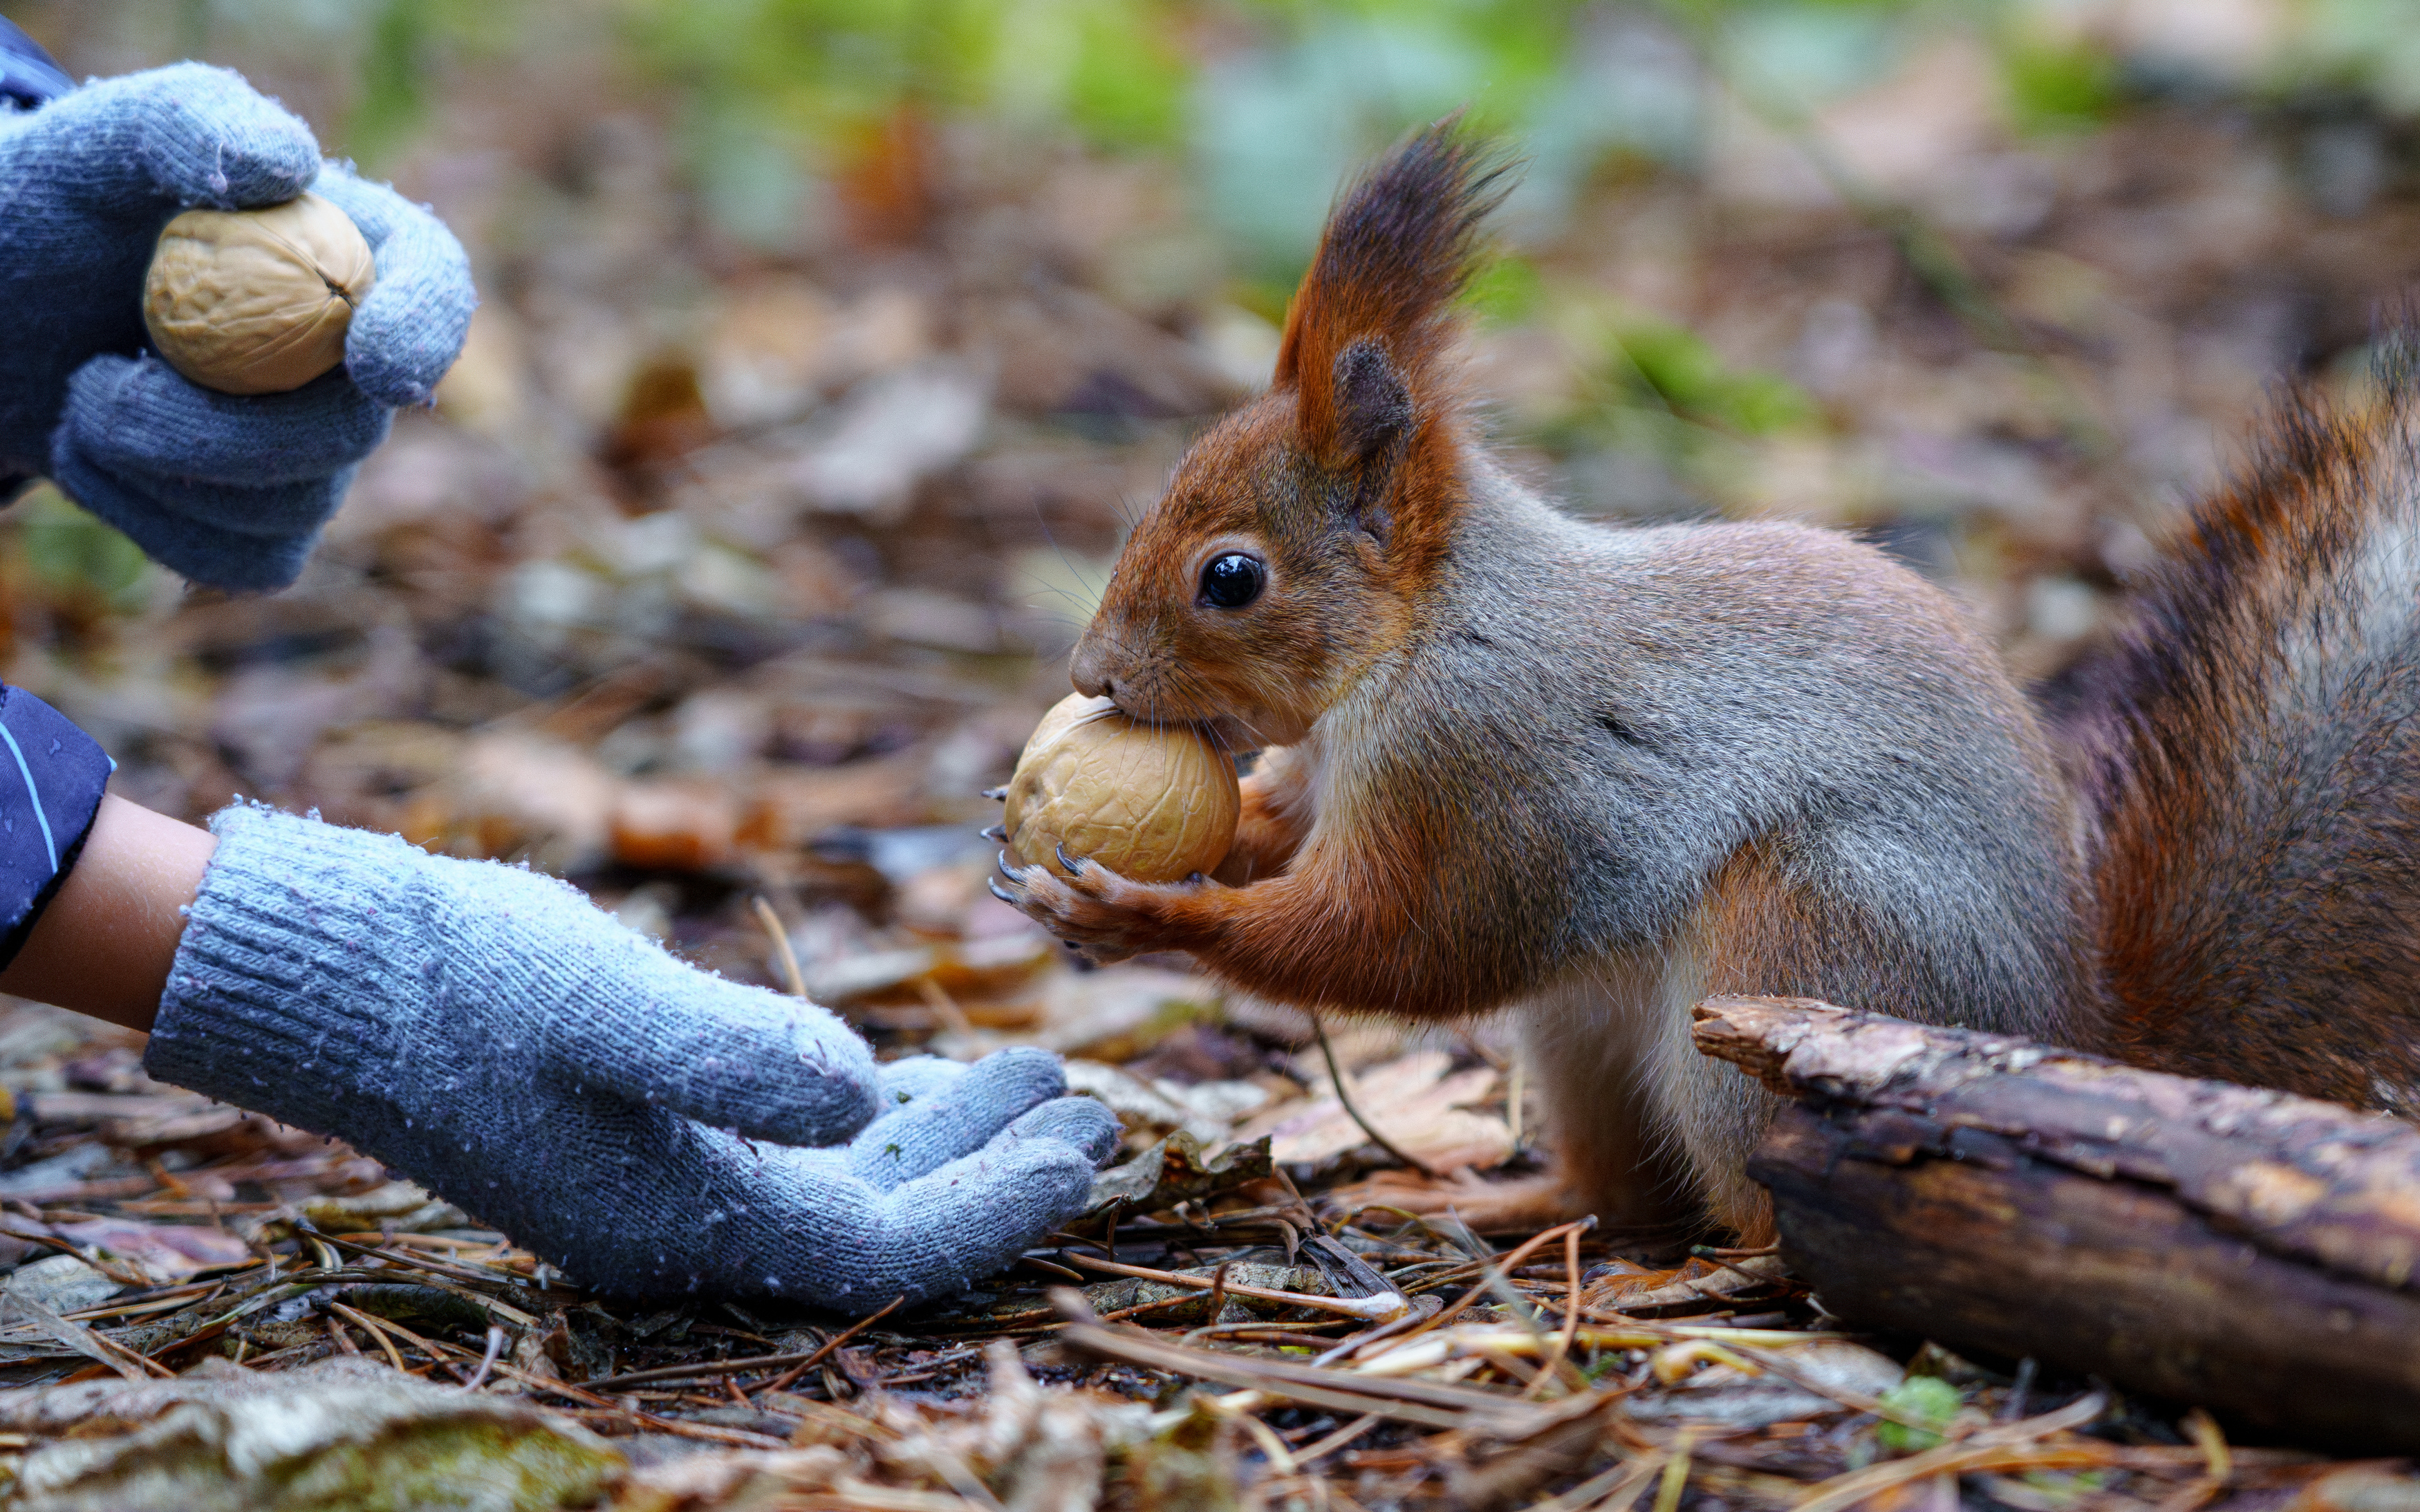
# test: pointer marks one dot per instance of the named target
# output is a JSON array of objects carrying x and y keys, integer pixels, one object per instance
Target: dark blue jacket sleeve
[
  {"x": 28, "y": 75},
  {"x": 51, "y": 775}
]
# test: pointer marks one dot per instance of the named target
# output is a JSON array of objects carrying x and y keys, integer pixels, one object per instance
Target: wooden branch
[{"x": 2248, "y": 1250}]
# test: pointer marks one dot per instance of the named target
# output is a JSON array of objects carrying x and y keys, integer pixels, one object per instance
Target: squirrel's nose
[{"x": 1086, "y": 669}]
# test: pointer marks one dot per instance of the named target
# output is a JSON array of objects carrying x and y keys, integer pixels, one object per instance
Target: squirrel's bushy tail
[{"x": 2249, "y": 754}]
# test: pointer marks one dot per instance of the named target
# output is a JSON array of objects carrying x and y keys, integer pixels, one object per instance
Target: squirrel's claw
[
  {"x": 1098, "y": 915},
  {"x": 993, "y": 832},
  {"x": 996, "y": 795}
]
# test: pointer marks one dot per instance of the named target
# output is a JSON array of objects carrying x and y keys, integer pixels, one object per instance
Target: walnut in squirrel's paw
[
  {"x": 1104, "y": 812},
  {"x": 1157, "y": 802}
]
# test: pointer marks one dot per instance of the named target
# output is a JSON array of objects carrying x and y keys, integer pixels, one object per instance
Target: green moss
[
  {"x": 1926, "y": 1398},
  {"x": 452, "y": 1463},
  {"x": 468, "y": 1465}
]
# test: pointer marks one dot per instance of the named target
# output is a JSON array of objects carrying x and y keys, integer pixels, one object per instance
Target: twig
[
  {"x": 722, "y": 1368},
  {"x": 1553, "y": 1365},
  {"x": 1344, "y": 1100},
  {"x": 1359, "y": 1343},
  {"x": 1169, "y": 1303},
  {"x": 460, "y": 1273},
  {"x": 944, "y": 1007},
  {"x": 832, "y": 1344},
  {"x": 497, "y": 1338},
  {"x": 1715, "y": 1257},
  {"x": 1218, "y": 1302},
  {"x": 773, "y": 922},
  {"x": 1384, "y": 1308},
  {"x": 2009, "y": 1447},
  {"x": 1263, "y": 1333},
  {"x": 2014, "y": 1408},
  {"x": 90, "y": 1343},
  {"x": 1612, "y": 1491},
  {"x": 662, "y": 1425},
  {"x": 378, "y": 1336},
  {"x": 1676, "y": 1472},
  {"x": 1435, "y": 1404},
  {"x": 1237, "y": 1370},
  {"x": 438, "y": 1354},
  {"x": 1496, "y": 1268},
  {"x": 1337, "y": 1440}
]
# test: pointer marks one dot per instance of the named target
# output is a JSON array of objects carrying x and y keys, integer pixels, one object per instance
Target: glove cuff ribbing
[{"x": 299, "y": 927}]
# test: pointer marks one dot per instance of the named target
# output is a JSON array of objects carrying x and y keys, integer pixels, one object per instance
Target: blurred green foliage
[
  {"x": 395, "y": 73},
  {"x": 69, "y": 549},
  {"x": 1659, "y": 393},
  {"x": 1656, "y": 366},
  {"x": 1271, "y": 104},
  {"x": 2058, "y": 86},
  {"x": 2372, "y": 46},
  {"x": 1115, "y": 71},
  {"x": 1271, "y": 101},
  {"x": 1507, "y": 292}
]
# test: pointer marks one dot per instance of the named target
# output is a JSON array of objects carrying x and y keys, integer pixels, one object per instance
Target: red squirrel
[{"x": 1596, "y": 774}]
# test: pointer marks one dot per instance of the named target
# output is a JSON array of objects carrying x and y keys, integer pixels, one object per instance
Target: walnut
[
  {"x": 1154, "y": 802},
  {"x": 256, "y": 302}
]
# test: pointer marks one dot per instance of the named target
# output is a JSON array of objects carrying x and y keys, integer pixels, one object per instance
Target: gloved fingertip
[
  {"x": 1028, "y": 1069},
  {"x": 1083, "y": 1122},
  {"x": 398, "y": 385},
  {"x": 912, "y": 1078},
  {"x": 209, "y": 138},
  {"x": 409, "y": 333}
]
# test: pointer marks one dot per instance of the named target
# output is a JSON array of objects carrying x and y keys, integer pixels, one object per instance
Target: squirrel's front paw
[{"x": 1103, "y": 916}]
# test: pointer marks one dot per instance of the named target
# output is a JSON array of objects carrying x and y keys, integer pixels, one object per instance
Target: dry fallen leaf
[{"x": 1419, "y": 1102}]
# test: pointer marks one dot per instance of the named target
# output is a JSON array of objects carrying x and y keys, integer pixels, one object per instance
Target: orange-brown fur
[{"x": 2250, "y": 750}]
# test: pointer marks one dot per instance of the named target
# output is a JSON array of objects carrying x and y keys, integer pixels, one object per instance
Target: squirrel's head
[{"x": 1297, "y": 534}]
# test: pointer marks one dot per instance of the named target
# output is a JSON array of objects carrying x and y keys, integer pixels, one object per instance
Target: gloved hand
[
  {"x": 228, "y": 491},
  {"x": 634, "y": 1121}
]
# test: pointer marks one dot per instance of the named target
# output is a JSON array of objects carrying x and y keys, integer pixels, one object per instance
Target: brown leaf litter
[{"x": 240, "y": 1316}]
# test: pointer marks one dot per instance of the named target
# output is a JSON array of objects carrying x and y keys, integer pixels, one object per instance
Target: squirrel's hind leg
[{"x": 1593, "y": 1047}]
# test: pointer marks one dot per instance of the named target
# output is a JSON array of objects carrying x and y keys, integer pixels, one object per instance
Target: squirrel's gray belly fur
[{"x": 1773, "y": 692}]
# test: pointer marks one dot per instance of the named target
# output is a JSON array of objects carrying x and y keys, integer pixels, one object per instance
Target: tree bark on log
[{"x": 2246, "y": 1250}]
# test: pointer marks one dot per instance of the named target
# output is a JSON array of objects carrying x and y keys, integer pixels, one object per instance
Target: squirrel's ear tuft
[{"x": 1367, "y": 336}]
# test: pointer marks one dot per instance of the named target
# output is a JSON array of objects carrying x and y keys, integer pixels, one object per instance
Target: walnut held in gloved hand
[
  {"x": 256, "y": 302},
  {"x": 643, "y": 1124},
  {"x": 228, "y": 491}
]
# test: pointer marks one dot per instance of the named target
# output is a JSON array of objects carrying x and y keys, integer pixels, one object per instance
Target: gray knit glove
[
  {"x": 228, "y": 491},
  {"x": 490, "y": 1032}
]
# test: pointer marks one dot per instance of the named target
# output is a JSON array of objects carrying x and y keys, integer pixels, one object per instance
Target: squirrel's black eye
[{"x": 1232, "y": 580}]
